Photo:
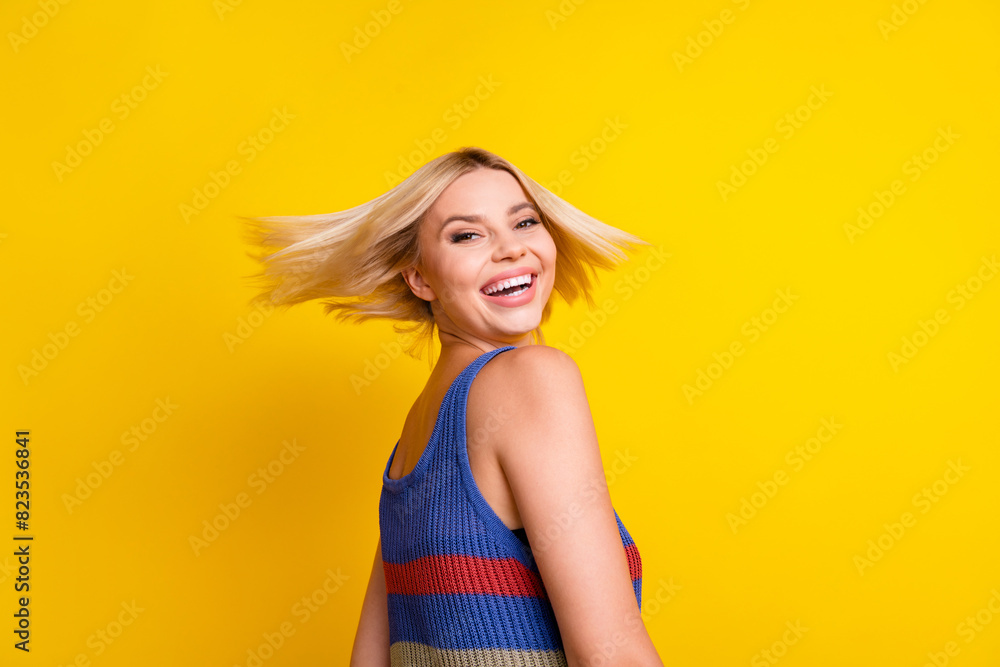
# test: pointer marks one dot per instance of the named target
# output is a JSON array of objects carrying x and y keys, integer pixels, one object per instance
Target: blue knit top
[{"x": 462, "y": 588}]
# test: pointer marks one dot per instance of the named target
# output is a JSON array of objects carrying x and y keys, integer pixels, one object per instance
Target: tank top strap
[{"x": 453, "y": 428}]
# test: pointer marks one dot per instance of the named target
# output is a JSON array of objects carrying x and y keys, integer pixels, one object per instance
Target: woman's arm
[
  {"x": 371, "y": 643},
  {"x": 550, "y": 455}
]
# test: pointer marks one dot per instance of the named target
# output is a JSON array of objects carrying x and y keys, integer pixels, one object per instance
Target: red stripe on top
[
  {"x": 455, "y": 573},
  {"x": 634, "y": 562}
]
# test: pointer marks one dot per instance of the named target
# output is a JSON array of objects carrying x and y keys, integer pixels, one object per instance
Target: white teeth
[{"x": 510, "y": 282}]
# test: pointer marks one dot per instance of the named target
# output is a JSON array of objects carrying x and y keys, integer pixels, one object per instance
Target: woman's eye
[{"x": 464, "y": 236}]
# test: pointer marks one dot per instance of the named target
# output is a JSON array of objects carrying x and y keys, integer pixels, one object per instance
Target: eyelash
[{"x": 457, "y": 238}]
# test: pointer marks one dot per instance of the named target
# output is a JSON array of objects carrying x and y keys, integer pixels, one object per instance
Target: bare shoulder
[
  {"x": 521, "y": 391},
  {"x": 527, "y": 390},
  {"x": 530, "y": 369}
]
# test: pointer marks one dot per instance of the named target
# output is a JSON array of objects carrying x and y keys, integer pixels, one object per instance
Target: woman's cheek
[{"x": 449, "y": 296}]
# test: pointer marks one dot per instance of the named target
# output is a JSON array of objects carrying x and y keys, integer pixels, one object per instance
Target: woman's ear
[{"x": 415, "y": 280}]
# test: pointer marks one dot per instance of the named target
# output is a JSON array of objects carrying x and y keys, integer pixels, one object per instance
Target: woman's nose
[{"x": 509, "y": 244}]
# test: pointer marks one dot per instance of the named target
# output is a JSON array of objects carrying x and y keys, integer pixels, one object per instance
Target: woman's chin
[{"x": 522, "y": 327}]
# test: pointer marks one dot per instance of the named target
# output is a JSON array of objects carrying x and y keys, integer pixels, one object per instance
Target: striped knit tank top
[{"x": 462, "y": 588}]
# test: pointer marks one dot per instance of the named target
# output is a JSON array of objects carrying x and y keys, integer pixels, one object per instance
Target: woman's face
[{"x": 481, "y": 231}]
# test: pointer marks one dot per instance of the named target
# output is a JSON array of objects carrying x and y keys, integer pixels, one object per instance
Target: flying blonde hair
[{"x": 354, "y": 258}]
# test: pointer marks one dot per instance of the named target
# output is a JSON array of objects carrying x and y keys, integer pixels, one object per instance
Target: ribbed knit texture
[{"x": 462, "y": 588}]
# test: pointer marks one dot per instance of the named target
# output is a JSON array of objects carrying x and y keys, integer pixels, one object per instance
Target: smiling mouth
[{"x": 511, "y": 286}]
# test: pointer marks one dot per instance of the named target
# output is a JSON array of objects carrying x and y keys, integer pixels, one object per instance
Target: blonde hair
[{"x": 354, "y": 258}]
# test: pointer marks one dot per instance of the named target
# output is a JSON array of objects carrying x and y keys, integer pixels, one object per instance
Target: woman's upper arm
[
  {"x": 371, "y": 642},
  {"x": 550, "y": 456}
]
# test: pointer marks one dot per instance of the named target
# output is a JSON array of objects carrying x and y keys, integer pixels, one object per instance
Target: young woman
[{"x": 498, "y": 542}]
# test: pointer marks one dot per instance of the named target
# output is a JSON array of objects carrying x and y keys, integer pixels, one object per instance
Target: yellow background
[{"x": 560, "y": 75}]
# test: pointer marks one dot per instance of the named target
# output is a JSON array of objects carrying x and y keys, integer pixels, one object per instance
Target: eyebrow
[{"x": 478, "y": 218}]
